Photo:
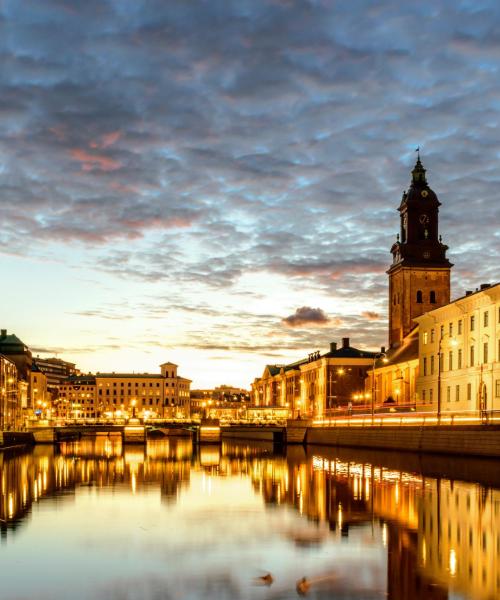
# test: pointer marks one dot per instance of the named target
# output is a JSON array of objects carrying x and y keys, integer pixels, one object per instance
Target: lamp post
[{"x": 376, "y": 357}]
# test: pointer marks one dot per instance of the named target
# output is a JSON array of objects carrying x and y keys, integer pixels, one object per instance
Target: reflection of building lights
[
  {"x": 396, "y": 493},
  {"x": 453, "y": 563},
  {"x": 384, "y": 534},
  {"x": 424, "y": 552},
  {"x": 339, "y": 516}
]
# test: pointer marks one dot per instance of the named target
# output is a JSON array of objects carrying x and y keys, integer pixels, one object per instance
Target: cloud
[
  {"x": 306, "y": 316},
  {"x": 208, "y": 149},
  {"x": 370, "y": 315}
]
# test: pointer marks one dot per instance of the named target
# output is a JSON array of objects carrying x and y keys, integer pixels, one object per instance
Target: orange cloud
[
  {"x": 370, "y": 315},
  {"x": 91, "y": 162}
]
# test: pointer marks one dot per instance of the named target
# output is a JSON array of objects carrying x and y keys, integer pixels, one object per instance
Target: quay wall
[
  {"x": 466, "y": 440},
  {"x": 249, "y": 433},
  {"x": 12, "y": 439}
]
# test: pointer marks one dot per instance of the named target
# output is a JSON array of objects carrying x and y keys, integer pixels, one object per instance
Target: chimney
[
  {"x": 345, "y": 342},
  {"x": 4, "y": 333},
  {"x": 468, "y": 292},
  {"x": 333, "y": 346},
  {"x": 382, "y": 349},
  {"x": 485, "y": 286}
]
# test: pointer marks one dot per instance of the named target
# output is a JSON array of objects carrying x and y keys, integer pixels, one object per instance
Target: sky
[{"x": 215, "y": 183}]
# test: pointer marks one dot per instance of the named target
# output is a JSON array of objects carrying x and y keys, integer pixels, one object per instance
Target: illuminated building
[
  {"x": 123, "y": 395},
  {"x": 222, "y": 402},
  {"x": 315, "y": 385},
  {"x": 40, "y": 396},
  {"x": 460, "y": 354},
  {"x": 55, "y": 369},
  {"x": 10, "y": 409},
  {"x": 18, "y": 353}
]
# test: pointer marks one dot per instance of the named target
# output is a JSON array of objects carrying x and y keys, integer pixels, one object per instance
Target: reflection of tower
[{"x": 404, "y": 581}]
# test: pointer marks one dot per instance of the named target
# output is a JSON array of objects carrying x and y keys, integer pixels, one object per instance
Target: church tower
[{"x": 419, "y": 277}]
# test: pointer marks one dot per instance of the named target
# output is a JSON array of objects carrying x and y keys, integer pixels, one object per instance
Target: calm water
[{"x": 97, "y": 520}]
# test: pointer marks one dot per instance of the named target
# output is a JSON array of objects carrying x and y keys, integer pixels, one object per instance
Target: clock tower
[{"x": 419, "y": 277}]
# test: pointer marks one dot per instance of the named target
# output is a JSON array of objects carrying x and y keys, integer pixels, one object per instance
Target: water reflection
[{"x": 165, "y": 521}]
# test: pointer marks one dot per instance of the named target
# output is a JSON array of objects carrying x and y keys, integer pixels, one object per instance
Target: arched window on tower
[
  {"x": 419, "y": 297},
  {"x": 433, "y": 297}
]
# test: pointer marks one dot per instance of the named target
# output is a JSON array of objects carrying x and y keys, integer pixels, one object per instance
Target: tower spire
[{"x": 418, "y": 173}]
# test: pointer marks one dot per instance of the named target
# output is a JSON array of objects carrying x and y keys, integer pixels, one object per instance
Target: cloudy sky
[{"x": 215, "y": 182}]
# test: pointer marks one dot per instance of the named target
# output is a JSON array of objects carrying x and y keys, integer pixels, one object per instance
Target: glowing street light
[{"x": 378, "y": 355}]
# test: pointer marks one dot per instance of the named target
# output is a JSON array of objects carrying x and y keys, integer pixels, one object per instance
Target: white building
[{"x": 459, "y": 354}]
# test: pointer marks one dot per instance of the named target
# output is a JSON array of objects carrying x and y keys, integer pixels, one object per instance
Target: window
[
  {"x": 425, "y": 365},
  {"x": 450, "y": 329},
  {"x": 497, "y": 388},
  {"x": 425, "y": 337},
  {"x": 450, "y": 360},
  {"x": 432, "y": 335},
  {"x": 419, "y": 297},
  {"x": 442, "y": 331},
  {"x": 448, "y": 394},
  {"x": 457, "y": 393},
  {"x": 471, "y": 364},
  {"x": 423, "y": 396},
  {"x": 469, "y": 391},
  {"x": 485, "y": 352},
  {"x": 432, "y": 365},
  {"x": 433, "y": 297},
  {"x": 486, "y": 318},
  {"x": 430, "y": 396},
  {"x": 459, "y": 365},
  {"x": 460, "y": 327},
  {"x": 472, "y": 323}
]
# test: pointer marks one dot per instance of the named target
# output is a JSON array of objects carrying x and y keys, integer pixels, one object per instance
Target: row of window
[
  {"x": 455, "y": 360},
  {"x": 459, "y": 330},
  {"x": 455, "y": 393}
]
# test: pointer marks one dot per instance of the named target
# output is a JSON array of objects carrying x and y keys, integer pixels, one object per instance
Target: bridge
[{"x": 131, "y": 432}]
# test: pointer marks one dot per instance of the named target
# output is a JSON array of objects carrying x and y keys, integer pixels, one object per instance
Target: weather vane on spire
[{"x": 417, "y": 150}]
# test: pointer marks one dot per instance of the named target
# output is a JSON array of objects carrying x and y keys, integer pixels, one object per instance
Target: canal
[{"x": 97, "y": 520}]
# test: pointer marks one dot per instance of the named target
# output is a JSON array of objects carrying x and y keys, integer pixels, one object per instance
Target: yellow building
[
  {"x": 40, "y": 397},
  {"x": 315, "y": 386},
  {"x": 460, "y": 354},
  {"x": 395, "y": 374},
  {"x": 177, "y": 391},
  {"x": 10, "y": 401},
  {"x": 77, "y": 398},
  {"x": 125, "y": 395}
]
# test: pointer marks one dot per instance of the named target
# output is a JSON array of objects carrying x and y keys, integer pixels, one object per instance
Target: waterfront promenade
[{"x": 454, "y": 433}]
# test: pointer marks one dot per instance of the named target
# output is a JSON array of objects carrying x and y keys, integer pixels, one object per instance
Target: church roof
[{"x": 406, "y": 351}]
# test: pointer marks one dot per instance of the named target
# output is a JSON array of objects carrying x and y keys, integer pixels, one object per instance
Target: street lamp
[
  {"x": 134, "y": 402},
  {"x": 377, "y": 356}
]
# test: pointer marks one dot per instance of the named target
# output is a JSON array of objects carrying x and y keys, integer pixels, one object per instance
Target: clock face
[
  {"x": 424, "y": 193},
  {"x": 424, "y": 219}
]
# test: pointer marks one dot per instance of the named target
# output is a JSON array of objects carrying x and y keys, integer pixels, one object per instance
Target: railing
[{"x": 411, "y": 419}]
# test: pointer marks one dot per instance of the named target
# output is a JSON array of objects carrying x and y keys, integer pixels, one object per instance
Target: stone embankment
[{"x": 463, "y": 440}]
